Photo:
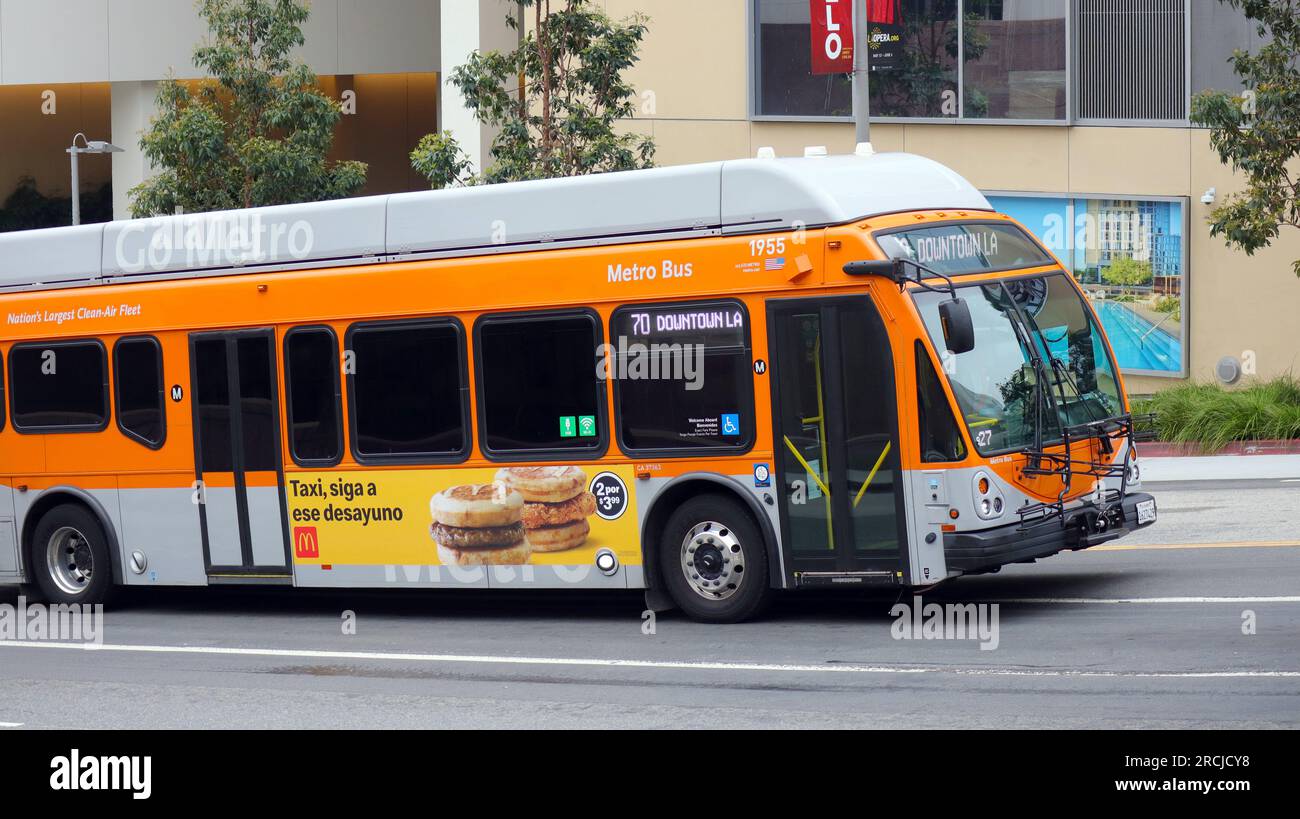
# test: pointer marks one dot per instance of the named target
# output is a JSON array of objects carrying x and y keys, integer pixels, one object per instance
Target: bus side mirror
[
  {"x": 958, "y": 330},
  {"x": 891, "y": 269}
]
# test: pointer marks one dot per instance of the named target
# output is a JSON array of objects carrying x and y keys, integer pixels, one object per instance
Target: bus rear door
[{"x": 836, "y": 430}]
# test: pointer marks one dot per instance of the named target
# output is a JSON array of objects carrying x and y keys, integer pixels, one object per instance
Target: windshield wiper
[{"x": 1036, "y": 361}]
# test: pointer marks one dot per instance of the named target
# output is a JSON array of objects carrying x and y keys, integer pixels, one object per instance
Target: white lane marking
[
  {"x": 836, "y": 668},
  {"x": 11, "y": 724},
  {"x": 1123, "y": 600}
]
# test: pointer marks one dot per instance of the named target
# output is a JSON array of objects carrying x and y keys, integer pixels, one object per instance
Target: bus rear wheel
[
  {"x": 70, "y": 560},
  {"x": 714, "y": 562}
]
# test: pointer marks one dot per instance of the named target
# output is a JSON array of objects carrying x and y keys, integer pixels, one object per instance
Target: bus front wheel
[
  {"x": 714, "y": 562},
  {"x": 70, "y": 557}
]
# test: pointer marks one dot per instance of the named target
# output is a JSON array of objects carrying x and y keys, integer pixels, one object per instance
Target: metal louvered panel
[{"x": 1132, "y": 60}]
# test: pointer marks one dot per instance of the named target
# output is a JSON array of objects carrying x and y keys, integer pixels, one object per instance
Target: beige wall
[
  {"x": 37, "y": 129},
  {"x": 60, "y": 41},
  {"x": 695, "y": 63}
]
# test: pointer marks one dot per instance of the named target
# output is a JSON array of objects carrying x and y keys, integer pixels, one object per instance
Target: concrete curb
[{"x": 1220, "y": 468}]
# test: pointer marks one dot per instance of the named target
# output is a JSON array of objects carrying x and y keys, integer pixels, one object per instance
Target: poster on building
[
  {"x": 832, "y": 36},
  {"x": 885, "y": 30},
  {"x": 1130, "y": 258}
]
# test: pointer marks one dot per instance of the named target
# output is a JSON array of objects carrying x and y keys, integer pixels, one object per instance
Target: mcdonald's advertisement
[{"x": 521, "y": 515}]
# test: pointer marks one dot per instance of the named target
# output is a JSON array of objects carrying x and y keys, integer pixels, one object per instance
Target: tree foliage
[
  {"x": 27, "y": 208},
  {"x": 257, "y": 133},
  {"x": 1127, "y": 272},
  {"x": 1258, "y": 132},
  {"x": 564, "y": 120}
]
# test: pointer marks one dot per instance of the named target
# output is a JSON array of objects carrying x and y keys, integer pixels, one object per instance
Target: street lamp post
[
  {"x": 89, "y": 146},
  {"x": 861, "y": 71}
]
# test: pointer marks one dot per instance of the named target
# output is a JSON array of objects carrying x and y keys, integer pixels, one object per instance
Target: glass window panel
[
  {"x": 1015, "y": 59},
  {"x": 923, "y": 81},
  {"x": 59, "y": 385},
  {"x": 138, "y": 378},
  {"x": 783, "y": 71}
]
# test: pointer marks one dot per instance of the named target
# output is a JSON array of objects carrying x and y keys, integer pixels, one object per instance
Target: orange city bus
[{"x": 708, "y": 382}]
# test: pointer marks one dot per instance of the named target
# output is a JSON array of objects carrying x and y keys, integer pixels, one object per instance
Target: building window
[
  {"x": 786, "y": 86},
  {"x": 407, "y": 391},
  {"x": 59, "y": 386},
  {"x": 1016, "y": 57},
  {"x": 1130, "y": 257},
  {"x": 1014, "y": 53},
  {"x": 138, "y": 387},
  {"x": 988, "y": 60},
  {"x": 538, "y": 386},
  {"x": 922, "y": 82},
  {"x": 683, "y": 377},
  {"x": 311, "y": 374}
]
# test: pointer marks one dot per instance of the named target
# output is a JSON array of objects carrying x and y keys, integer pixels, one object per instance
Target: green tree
[
  {"x": 1258, "y": 132},
  {"x": 565, "y": 119},
  {"x": 257, "y": 133},
  {"x": 1127, "y": 272}
]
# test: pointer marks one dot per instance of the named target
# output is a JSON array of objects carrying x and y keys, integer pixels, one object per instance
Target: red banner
[
  {"x": 832, "y": 36},
  {"x": 884, "y": 12}
]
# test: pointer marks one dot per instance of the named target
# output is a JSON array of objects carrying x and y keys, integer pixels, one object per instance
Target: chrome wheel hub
[
  {"x": 713, "y": 560},
  {"x": 70, "y": 561}
]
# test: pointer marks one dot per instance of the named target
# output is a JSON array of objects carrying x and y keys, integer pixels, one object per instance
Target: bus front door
[
  {"x": 836, "y": 430},
  {"x": 237, "y": 455}
]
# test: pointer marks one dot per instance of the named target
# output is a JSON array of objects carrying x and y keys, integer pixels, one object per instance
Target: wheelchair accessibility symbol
[{"x": 731, "y": 424}]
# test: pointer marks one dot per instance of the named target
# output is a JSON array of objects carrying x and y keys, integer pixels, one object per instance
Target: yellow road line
[{"x": 1239, "y": 544}]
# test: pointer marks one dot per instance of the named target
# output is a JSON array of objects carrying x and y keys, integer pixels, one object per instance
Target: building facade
[
  {"x": 1072, "y": 115},
  {"x": 93, "y": 67}
]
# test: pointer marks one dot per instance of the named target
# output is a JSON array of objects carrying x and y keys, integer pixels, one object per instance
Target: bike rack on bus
[{"x": 1106, "y": 432}]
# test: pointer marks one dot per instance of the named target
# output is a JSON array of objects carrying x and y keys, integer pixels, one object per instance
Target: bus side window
[
  {"x": 138, "y": 387},
  {"x": 408, "y": 391},
  {"x": 59, "y": 386},
  {"x": 311, "y": 374},
  {"x": 683, "y": 377},
  {"x": 941, "y": 440},
  {"x": 538, "y": 389}
]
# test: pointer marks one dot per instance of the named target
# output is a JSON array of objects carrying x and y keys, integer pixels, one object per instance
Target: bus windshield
[{"x": 1039, "y": 362}]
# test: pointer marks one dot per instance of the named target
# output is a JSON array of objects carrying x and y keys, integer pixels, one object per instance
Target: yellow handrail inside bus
[
  {"x": 872, "y": 476},
  {"x": 821, "y": 433},
  {"x": 795, "y": 452}
]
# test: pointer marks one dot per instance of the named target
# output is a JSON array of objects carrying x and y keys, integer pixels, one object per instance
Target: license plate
[{"x": 1146, "y": 512}]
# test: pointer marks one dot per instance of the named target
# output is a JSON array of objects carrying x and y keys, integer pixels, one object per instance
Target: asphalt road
[{"x": 1147, "y": 632}]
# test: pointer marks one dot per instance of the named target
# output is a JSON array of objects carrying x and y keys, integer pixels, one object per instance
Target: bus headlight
[{"x": 988, "y": 499}]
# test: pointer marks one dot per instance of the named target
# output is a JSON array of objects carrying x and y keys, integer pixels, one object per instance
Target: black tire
[
  {"x": 83, "y": 544},
  {"x": 732, "y": 586}
]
